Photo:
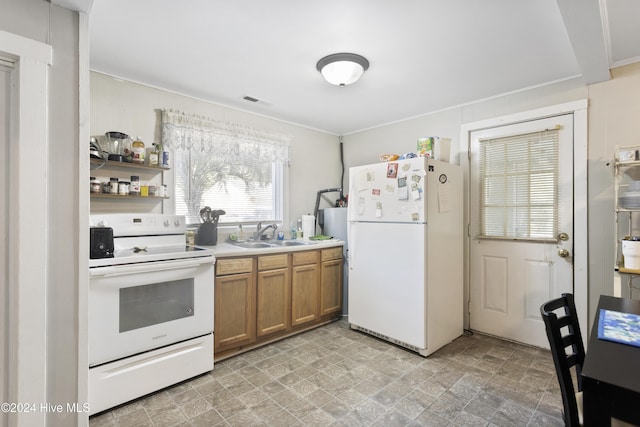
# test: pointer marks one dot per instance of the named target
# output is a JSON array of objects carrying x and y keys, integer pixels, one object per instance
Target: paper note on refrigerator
[
  {"x": 444, "y": 198},
  {"x": 362, "y": 182},
  {"x": 361, "y": 205},
  {"x": 403, "y": 191}
]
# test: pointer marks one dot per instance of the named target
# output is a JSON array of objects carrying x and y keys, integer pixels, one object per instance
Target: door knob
[
  {"x": 563, "y": 236},
  {"x": 563, "y": 253}
]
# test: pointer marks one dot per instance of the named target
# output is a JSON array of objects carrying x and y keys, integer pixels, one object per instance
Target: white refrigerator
[{"x": 405, "y": 228}]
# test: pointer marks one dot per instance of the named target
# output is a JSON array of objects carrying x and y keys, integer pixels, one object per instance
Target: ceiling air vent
[{"x": 250, "y": 98}]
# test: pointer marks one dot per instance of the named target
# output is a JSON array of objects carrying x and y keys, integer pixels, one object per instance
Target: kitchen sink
[
  {"x": 289, "y": 243},
  {"x": 271, "y": 244},
  {"x": 252, "y": 245}
]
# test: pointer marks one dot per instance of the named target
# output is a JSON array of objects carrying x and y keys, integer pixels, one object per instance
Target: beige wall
[
  {"x": 118, "y": 105},
  {"x": 60, "y": 208},
  {"x": 399, "y": 138}
]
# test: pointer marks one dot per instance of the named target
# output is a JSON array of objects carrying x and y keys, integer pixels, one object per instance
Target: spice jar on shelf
[
  {"x": 134, "y": 187},
  {"x": 95, "y": 185},
  {"x": 113, "y": 185},
  {"x": 123, "y": 188}
]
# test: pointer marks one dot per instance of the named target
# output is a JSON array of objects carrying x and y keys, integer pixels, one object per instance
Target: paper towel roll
[{"x": 308, "y": 226}]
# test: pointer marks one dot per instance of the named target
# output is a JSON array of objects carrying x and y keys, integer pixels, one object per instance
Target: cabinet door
[
  {"x": 305, "y": 294},
  {"x": 235, "y": 311},
  {"x": 273, "y": 301},
  {"x": 331, "y": 287}
]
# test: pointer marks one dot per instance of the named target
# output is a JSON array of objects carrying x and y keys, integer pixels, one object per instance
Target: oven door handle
[{"x": 147, "y": 267}]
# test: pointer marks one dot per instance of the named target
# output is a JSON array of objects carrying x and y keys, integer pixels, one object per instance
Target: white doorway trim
[
  {"x": 28, "y": 142},
  {"x": 580, "y": 251}
]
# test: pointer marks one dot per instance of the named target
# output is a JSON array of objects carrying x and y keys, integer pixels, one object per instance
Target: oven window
[{"x": 147, "y": 305}]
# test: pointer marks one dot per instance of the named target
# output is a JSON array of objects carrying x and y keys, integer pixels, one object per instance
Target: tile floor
[{"x": 333, "y": 376}]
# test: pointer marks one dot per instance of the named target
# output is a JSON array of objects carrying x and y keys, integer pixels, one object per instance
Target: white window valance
[{"x": 181, "y": 131}]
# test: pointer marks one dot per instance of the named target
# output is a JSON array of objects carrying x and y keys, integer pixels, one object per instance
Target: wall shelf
[
  {"x": 125, "y": 197},
  {"x": 101, "y": 167},
  {"x": 98, "y": 164}
]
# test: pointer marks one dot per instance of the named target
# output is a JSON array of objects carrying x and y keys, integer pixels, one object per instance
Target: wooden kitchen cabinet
[
  {"x": 260, "y": 299},
  {"x": 331, "y": 272},
  {"x": 305, "y": 287},
  {"x": 235, "y": 303},
  {"x": 273, "y": 294}
]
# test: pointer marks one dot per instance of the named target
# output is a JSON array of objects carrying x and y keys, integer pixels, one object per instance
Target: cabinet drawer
[
  {"x": 333, "y": 253},
  {"x": 233, "y": 266},
  {"x": 306, "y": 257},
  {"x": 270, "y": 262}
]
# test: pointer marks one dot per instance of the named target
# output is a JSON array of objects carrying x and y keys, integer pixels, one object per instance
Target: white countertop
[{"x": 224, "y": 249}]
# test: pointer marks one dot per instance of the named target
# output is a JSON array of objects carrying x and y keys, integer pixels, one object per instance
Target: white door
[
  {"x": 521, "y": 235},
  {"x": 4, "y": 231}
]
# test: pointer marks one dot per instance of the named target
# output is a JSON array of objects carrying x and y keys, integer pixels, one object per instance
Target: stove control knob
[
  {"x": 166, "y": 223},
  {"x": 177, "y": 222}
]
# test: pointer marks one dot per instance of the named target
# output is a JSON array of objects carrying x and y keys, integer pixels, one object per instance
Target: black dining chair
[
  {"x": 563, "y": 330},
  {"x": 561, "y": 322}
]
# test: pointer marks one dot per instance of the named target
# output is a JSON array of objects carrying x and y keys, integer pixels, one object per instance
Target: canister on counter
[{"x": 191, "y": 237}]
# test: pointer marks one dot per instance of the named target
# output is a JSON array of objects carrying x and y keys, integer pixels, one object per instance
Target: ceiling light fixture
[{"x": 342, "y": 69}]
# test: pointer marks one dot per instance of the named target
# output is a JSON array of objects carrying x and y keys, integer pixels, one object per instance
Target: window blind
[{"x": 518, "y": 184}]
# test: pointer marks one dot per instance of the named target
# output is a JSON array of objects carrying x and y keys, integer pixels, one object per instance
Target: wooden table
[{"x": 611, "y": 373}]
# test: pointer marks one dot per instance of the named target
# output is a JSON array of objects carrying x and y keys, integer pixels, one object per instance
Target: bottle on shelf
[
  {"x": 138, "y": 151},
  {"x": 153, "y": 155},
  {"x": 165, "y": 159}
]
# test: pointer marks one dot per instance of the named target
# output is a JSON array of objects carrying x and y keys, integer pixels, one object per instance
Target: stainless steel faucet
[{"x": 260, "y": 230}]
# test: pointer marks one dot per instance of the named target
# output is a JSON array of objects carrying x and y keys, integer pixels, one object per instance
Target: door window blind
[{"x": 518, "y": 178}]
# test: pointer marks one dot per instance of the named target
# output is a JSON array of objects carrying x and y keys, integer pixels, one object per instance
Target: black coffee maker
[{"x": 208, "y": 231}]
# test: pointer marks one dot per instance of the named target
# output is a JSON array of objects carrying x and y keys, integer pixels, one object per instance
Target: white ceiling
[{"x": 425, "y": 55}]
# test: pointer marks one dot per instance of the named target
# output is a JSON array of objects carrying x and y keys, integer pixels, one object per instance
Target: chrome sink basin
[
  {"x": 252, "y": 245},
  {"x": 271, "y": 244},
  {"x": 288, "y": 243}
]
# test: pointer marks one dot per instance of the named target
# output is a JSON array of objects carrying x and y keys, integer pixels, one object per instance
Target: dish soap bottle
[
  {"x": 138, "y": 151},
  {"x": 241, "y": 237},
  {"x": 299, "y": 230}
]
